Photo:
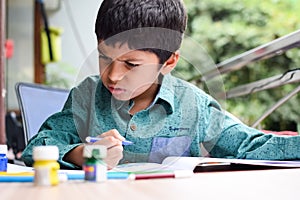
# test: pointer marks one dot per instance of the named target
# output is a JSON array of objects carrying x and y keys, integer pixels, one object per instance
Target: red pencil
[{"x": 174, "y": 174}]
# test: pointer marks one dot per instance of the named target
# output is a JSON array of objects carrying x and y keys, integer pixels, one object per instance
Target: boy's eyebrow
[
  {"x": 130, "y": 59},
  {"x": 123, "y": 60},
  {"x": 100, "y": 52}
]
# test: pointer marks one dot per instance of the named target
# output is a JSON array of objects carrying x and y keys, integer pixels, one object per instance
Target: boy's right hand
[{"x": 113, "y": 142}]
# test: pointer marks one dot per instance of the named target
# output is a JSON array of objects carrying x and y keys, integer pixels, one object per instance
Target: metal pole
[
  {"x": 276, "y": 105},
  {"x": 2, "y": 72}
]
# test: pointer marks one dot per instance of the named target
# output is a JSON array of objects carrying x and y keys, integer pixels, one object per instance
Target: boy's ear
[{"x": 170, "y": 64}]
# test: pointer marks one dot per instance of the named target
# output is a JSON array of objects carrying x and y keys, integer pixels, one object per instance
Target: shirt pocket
[{"x": 163, "y": 147}]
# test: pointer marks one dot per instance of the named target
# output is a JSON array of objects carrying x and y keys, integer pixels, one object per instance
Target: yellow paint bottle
[{"x": 45, "y": 165}]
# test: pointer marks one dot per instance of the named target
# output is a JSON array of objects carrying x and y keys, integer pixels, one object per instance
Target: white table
[{"x": 281, "y": 184}]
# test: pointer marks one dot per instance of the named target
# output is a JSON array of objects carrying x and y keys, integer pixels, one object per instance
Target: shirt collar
[{"x": 165, "y": 96}]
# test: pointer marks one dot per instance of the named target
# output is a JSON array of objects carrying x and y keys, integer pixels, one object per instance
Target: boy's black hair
[{"x": 150, "y": 25}]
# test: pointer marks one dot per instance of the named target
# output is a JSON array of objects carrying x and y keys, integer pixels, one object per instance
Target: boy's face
[{"x": 127, "y": 73}]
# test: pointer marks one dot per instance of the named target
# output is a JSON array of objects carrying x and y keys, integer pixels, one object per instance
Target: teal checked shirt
[{"x": 180, "y": 120}]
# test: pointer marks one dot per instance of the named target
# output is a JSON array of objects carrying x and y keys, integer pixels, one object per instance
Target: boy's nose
[{"x": 116, "y": 71}]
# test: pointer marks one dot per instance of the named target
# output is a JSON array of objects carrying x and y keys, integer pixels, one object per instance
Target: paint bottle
[
  {"x": 95, "y": 169},
  {"x": 3, "y": 158},
  {"x": 45, "y": 165}
]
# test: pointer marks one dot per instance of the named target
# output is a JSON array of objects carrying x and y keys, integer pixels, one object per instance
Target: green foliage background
[{"x": 227, "y": 28}]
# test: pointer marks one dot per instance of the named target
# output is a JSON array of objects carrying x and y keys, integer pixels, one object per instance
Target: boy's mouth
[{"x": 116, "y": 91}]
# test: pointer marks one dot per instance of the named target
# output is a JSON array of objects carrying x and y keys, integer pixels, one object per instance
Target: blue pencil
[
  {"x": 16, "y": 179},
  {"x": 95, "y": 139},
  {"x": 110, "y": 175},
  {"x": 12, "y": 177}
]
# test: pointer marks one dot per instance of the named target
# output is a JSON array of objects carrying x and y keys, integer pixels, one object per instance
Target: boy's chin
[{"x": 122, "y": 97}]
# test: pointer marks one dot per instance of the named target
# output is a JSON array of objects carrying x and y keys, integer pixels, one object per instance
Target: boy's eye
[
  {"x": 131, "y": 64},
  {"x": 101, "y": 56}
]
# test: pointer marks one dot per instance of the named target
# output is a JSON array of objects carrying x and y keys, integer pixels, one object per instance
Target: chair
[{"x": 37, "y": 102}]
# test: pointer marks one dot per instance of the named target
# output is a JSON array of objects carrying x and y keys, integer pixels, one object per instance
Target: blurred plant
[
  {"x": 60, "y": 75},
  {"x": 228, "y": 28}
]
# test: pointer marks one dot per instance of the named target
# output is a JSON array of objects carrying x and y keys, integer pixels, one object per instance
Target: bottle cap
[
  {"x": 45, "y": 153},
  {"x": 95, "y": 151},
  {"x": 3, "y": 149}
]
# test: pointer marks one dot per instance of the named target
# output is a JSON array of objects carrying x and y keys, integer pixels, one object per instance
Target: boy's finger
[
  {"x": 114, "y": 155},
  {"x": 109, "y": 141},
  {"x": 114, "y": 132}
]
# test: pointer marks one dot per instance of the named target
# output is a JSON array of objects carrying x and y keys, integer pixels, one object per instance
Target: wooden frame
[{"x": 39, "y": 68}]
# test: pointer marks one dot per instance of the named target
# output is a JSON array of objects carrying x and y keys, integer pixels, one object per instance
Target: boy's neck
[{"x": 144, "y": 100}]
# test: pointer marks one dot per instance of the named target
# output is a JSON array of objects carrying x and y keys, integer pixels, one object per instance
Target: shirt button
[{"x": 133, "y": 127}]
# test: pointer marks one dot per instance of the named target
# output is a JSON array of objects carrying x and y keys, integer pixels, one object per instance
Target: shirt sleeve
[
  {"x": 228, "y": 138},
  {"x": 59, "y": 130},
  {"x": 66, "y": 129}
]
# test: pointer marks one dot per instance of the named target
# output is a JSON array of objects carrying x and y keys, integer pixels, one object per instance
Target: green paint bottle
[{"x": 95, "y": 169}]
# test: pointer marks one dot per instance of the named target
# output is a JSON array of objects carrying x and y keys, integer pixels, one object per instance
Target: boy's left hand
[{"x": 113, "y": 141}]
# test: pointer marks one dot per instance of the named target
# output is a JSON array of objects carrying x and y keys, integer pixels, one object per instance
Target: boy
[{"x": 136, "y": 98}]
